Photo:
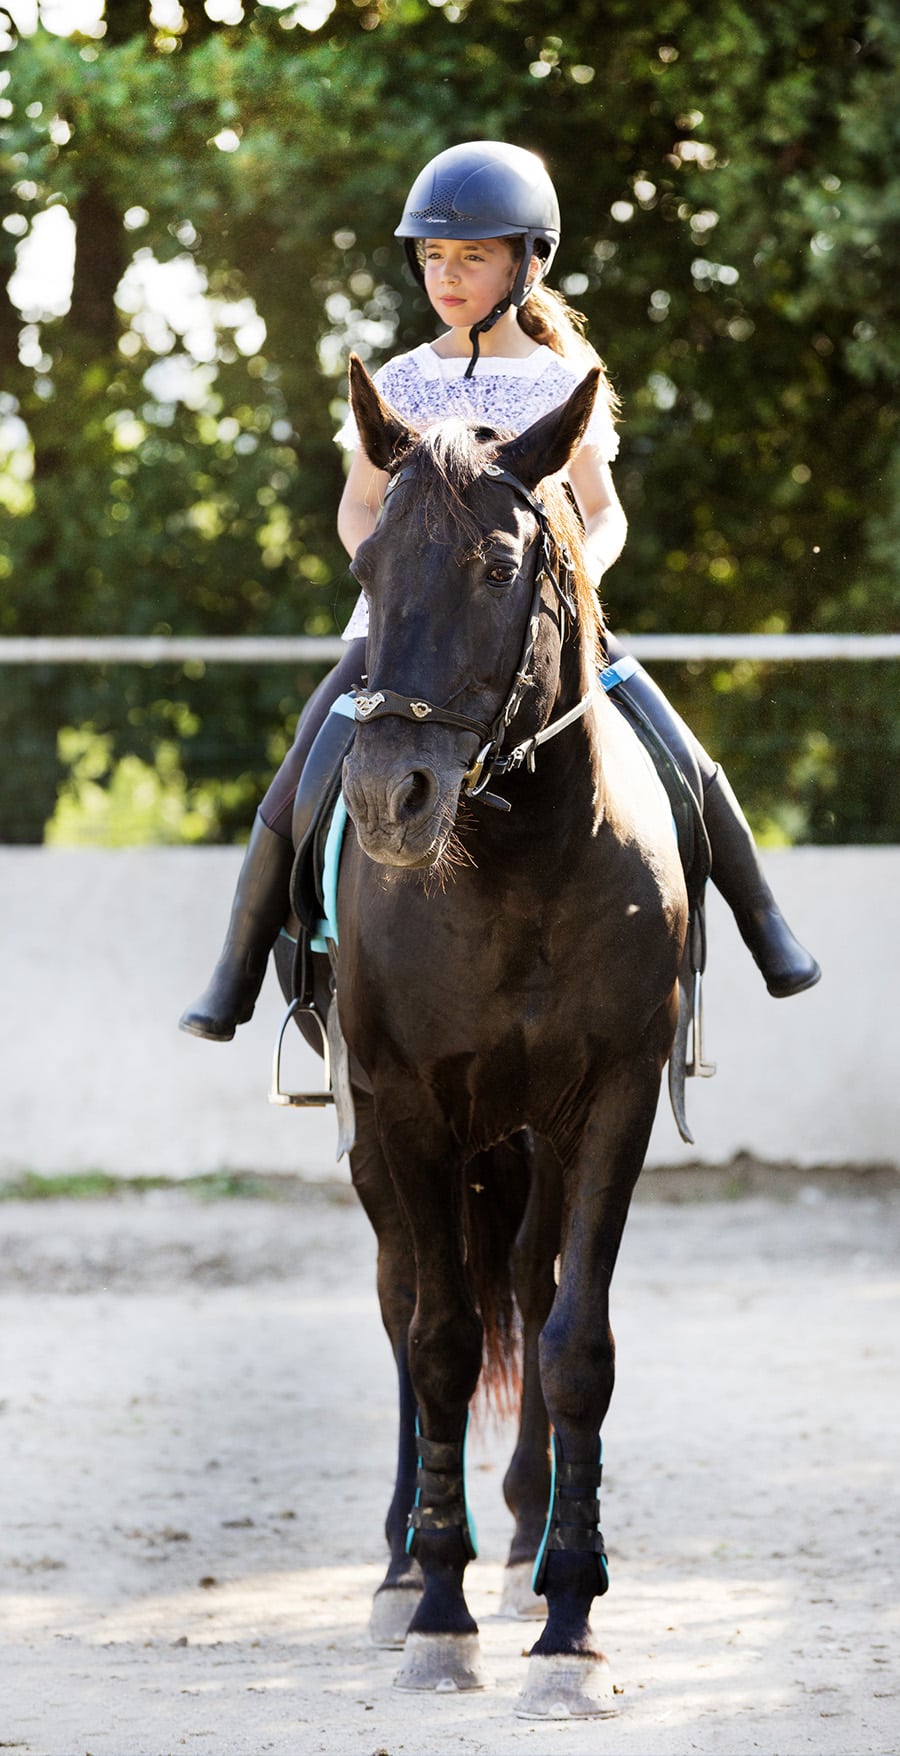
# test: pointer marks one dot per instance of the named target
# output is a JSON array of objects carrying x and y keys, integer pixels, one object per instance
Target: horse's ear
[
  {"x": 383, "y": 436},
  {"x": 546, "y": 447}
]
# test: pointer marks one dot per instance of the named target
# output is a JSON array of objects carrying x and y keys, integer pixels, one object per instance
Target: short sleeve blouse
[
  {"x": 509, "y": 393},
  {"x": 506, "y": 393}
]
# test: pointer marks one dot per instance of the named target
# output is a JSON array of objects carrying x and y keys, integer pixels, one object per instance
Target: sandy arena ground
[{"x": 198, "y": 1433}]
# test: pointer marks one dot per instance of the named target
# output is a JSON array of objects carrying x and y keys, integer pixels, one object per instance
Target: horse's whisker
[{"x": 454, "y": 857}]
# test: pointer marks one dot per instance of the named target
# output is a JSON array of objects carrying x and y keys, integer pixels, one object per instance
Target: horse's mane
[{"x": 449, "y": 458}]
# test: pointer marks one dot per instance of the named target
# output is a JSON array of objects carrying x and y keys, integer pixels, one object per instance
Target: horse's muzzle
[{"x": 403, "y": 811}]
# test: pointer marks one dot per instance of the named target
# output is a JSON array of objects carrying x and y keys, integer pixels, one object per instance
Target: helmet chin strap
[{"x": 479, "y": 329}]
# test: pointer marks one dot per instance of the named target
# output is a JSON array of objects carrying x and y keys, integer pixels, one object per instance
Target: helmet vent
[{"x": 441, "y": 208}]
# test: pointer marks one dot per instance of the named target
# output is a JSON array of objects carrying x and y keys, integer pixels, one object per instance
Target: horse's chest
[{"x": 459, "y": 982}]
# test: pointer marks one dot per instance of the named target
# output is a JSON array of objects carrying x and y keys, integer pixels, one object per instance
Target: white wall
[{"x": 101, "y": 950}]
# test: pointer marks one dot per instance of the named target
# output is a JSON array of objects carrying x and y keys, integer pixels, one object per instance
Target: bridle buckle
[{"x": 475, "y": 779}]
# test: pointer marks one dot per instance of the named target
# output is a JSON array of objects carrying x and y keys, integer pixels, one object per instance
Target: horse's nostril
[{"x": 414, "y": 795}]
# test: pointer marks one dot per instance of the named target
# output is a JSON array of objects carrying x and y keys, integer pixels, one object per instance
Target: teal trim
[
  {"x": 331, "y": 866},
  {"x": 345, "y": 705},
  {"x": 411, "y": 1534},
  {"x": 539, "y": 1560},
  {"x": 470, "y": 1522},
  {"x": 620, "y": 672}
]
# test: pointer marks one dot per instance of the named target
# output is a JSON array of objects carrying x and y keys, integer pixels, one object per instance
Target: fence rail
[{"x": 302, "y": 649}]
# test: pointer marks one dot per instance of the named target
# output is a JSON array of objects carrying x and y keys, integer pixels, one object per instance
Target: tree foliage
[{"x": 731, "y": 199}]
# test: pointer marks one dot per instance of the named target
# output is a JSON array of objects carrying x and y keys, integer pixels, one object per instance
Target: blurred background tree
[{"x": 197, "y": 209}]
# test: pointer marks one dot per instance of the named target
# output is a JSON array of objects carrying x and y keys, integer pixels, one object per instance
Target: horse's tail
[{"x": 496, "y": 1194}]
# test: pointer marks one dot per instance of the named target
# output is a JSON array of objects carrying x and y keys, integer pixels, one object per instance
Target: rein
[{"x": 491, "y": 759}]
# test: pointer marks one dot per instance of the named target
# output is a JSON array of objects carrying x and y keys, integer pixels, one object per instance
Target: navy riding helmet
[{"x": 484, "y": 189}]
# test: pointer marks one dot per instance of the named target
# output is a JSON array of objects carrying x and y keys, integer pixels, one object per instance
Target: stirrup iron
[
  {"x": 690, "y": 1022},
  {"x": 696, "y": 1067},
  {"x": 302, "y": 1100}
]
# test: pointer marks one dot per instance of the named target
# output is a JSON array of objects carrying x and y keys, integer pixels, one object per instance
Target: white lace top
[{"x": 508, "y": 393}]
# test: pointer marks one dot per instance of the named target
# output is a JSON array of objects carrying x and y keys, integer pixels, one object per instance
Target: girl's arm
[
  {"x": 602, "y": 513},
  {"x": 360, "y": 502}
]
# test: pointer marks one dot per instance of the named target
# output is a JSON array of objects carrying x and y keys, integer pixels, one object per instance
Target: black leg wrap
[
  {"x": 574, "y": 1521},
  {"x": 440, "y": 1503}
]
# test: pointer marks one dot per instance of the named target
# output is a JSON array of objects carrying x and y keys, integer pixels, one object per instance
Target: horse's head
[{"x": 458, "y": 575}]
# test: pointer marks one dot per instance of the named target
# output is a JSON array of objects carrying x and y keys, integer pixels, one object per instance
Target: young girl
[{"x": 480, "y": 229}]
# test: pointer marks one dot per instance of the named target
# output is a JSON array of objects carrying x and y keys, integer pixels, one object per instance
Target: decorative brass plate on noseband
[{"x": 365, "y": 705}]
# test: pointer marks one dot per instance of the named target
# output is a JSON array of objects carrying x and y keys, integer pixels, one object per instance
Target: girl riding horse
[{"x": 480, "y": 229}]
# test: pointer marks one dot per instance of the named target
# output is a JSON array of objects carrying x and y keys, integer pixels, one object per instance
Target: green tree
[{"x": 730, "y": 197}]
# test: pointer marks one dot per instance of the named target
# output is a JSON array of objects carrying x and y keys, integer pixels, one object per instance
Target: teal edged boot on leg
[{"x": 787, "y": 967}]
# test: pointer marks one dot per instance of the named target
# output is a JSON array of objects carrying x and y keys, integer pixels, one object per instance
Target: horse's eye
[{"x": 501, "y": 574}]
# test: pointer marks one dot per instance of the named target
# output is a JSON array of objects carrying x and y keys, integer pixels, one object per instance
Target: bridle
[{"x": 492, "y": 759}]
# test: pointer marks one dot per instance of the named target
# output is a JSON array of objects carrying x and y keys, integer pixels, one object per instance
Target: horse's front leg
[
  {"x": 445, "y": 1351},
  {"x": 400, "y": 1590},
  {"x": 568, "y": 1675}
]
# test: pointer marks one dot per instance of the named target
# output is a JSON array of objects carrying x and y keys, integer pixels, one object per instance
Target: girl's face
[{"x": 464, "y": 281}]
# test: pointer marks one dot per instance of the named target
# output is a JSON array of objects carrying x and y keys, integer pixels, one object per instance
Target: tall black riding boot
[
  {"x": 259, "y": 909},
  {"x": 787, "y": 967}
]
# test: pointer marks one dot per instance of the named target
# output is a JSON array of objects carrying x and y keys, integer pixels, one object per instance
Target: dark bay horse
[{"x": 508, "y": 961}]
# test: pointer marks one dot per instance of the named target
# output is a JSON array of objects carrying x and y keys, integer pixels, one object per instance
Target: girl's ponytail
[{"x": 551, "y": 321}]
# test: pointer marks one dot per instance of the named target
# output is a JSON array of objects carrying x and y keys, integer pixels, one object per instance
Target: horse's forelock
[
  {"x": 457, "y": 447},
  {"x": 450, "y": 458}
]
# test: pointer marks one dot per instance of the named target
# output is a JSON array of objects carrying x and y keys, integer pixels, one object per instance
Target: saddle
[
  {"x": 696, "y": 865},
  {"x": 687, "y": 813},
  {"x": 317, "y": 795},
  {"x": 318, "y": 812}
]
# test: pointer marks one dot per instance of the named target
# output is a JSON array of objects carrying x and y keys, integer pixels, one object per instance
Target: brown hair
[{"x": 550, "y": 320}]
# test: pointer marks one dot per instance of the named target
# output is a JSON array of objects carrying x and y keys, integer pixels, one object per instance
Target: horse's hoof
[
  {"x": 441, "y": 1663},
  {"x": 566, "y": 1686},
  {"x": 518, "y": 1601},
  {"x": 393, "y": 1608}
]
